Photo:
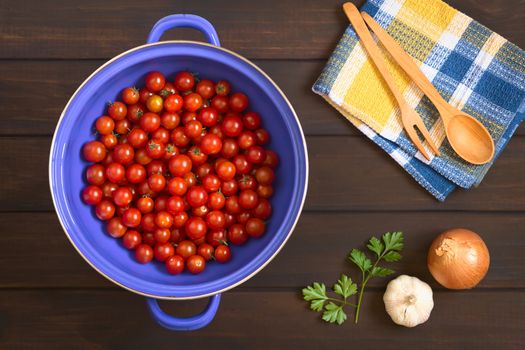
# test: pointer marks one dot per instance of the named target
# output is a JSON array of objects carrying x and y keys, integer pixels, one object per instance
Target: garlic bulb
[{"x": 408, "y": 301}]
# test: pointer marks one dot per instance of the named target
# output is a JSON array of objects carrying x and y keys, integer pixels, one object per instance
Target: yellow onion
[{"x": 458, "y": 259}]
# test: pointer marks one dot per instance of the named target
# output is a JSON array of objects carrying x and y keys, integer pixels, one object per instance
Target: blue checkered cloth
[{"x": 472, "y": 67}]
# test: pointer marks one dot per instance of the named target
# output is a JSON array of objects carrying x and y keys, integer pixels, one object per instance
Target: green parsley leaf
[
  {"x": 392, "y": 256},
  {"x": 381, "y": 272},
  {"x": 376, "y": 246},
  {"x": 316, "y": 295},
  {"x": 393, "y": 241},
  {"x": 334, "y": 313},
  {"x": 359, "y": 258},
  {"x": 345, "y": 287}
]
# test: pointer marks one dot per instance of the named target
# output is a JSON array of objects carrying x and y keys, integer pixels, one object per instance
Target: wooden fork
[{"x": 409, "y": 117}]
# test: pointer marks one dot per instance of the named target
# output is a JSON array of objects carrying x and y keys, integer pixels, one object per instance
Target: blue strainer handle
[
  {"x": 184, "y": 323},
  {"x": 184, "y": 21}
]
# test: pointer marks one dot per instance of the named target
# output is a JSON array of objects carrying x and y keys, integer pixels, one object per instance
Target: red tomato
[
  {"x": 122, "y": 196},
  {"x": 263, "y": 137},
  {"x": 94, "y": 151},
  {"x": 220, "y": 103},
  {"x": 263, "y": 210},
  {"x": 265, "y": 191},
  {"x": 179, "y": 165},
  {"x": 190, "y": 179},
  {"x": 141, "y": 157},
  {"x": 170, "y": 120},
  {"x": 232, "y": 205},
  {"x": 175, "y": 205},
  {"x": 157, "y": 182},
  {"x": 131, "y": 239},
  {"x": 115, "y": 172},
  {"x": 163, "y": 251},
  {"x": 248, "y": 199},
  {"x": 179, "y": 219},
  {"x": 155, "y": 150},
  {"x": 265, "y": 175},
  {"x": 203, "y": 170},
  {"x": 232, "y": 125},
  {"x": 208, "y": 116},
  {"x": 116, "y": 228},
  {"x": 92, "y": 195},
  {"x": 136, "y": 173},
  {"x": 215, "y": 220},
  {"x": 150, "y": 122},
  {"x": 117, "y": 110},
  {"x": 195, "y": 264},
  {"x": 222, "y": 88},
  {"x": 247, "y": 139},
  {"x": 135, "y": 112},
  {"x": 247, "y": 182},
  {"x": 161, "y": 135},
  {"x": 195, "y": 228},
  {"x": 130, "y": 95},
  {"x": 163, "y": 219},
  {"x": 148, "y": 222},
  {"x": 230, "y": 148},
  {"x": 205, "y": 88},
  {"x": 145, "y": 205},
  {"x": 184, "y": 81},
  {"x": 144, "y": 253},
  {"x": 148, "y": 238},
  {"x": 173, "y": 103},
  {"x": 162, "y": 235},
  {"x": 104, "y": 125},
  {"x": 168, "y": 89},
  {"x": 144, "y": 94},
  {"x": 206, "y": 251},
  {"x": 156, "y": 167},
  {"x": 105, "y": 210},
  {"x": 193, "y": 129},
  {"x": 122, "y": 127},
  {"x": 192, "y": 102},
  {"x": 252, "y": 120},
  {"x": 237, "y": 234},
  {"x": 196, "y": 196},
  {"x": 238, "y": 102},
  {"x": 131, "y": 217},
  {"x": 186, "y": 249},
  {"x": 123, "y": 154},
  {"x": 211, "y": 183},
  {"x": 155, "y": 81},
  {"x": 255, "y": 227},
  {"x": 256, "y": 154},
  {"x": 229, "y": 188},
  {"x": 179, "y": 137},
  {"x": 242, "y": 165},
  {"x": 109, "y": 141},
  {"x": 226, "y": 170},
  {"x": 197, "y": 156},
  {"x": 222, "y": 254},
  {"x": 216, "y": 238},
  {"x": 216, "y": 201},
  {"x": 108, "y": 188},
  {"x": 175, "y": 264},
  {"x": 177, "y": 186}
]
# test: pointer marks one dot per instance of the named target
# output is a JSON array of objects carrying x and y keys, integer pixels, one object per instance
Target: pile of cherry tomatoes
[{"x": 180, "y": 171}]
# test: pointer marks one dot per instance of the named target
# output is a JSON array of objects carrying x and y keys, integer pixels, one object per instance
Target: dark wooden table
[{"x": 50, "y": 298}]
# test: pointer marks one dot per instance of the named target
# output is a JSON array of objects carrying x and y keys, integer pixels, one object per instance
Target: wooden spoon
[
  {"x": 410, "y": 119},
  {"x": 467, "y": 136}
]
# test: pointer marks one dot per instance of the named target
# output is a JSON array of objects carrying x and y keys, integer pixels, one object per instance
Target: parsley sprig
[{"x": 387, "y": 249}]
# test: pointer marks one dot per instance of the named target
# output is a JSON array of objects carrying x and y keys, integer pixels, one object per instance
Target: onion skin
[{"x": 458, "y": 259}]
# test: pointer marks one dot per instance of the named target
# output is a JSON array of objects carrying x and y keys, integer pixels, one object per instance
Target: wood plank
[
  {"x": 93, "y": 319},
  {"x": 315, "y": 252},
  {"x": 368, "y": 179},
  {"x": 269, "y": 29}
]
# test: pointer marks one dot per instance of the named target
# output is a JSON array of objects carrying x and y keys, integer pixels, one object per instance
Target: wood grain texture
[
  {"x": 57, "y": 319},
  {"x": 316, "y": 251},
  {"x": 370, "y": 180},
  {"x": 265, "y": 29}
]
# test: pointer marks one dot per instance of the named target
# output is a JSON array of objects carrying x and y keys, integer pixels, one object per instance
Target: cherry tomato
[
  {"x": 170, "y": 120},
  {"x": 104, "y": 125},
  {"x": 196, "y": 196},
  {"x": 195, "y": 264},
  {"x": 222, "y": 254},
  {"x": 195, "y": 228},
  {"x": 265, "y": 175},
  {"x": 105, "y": 210},
  {"x": 215, "y": 220},
  {"x": 155, "y": 150},
  {"x": 177, "y": 235},
  {"x": 263, "y": 210},
  {"x": 116, "y": 228},
  {"x": 203, "y": 170},
  {"x": 216, "y": 201},
  {"x": 163, "y": 251},
  {"x": 197, "y": 156},
  {"x": 229, "y": 188},
  {"x": 255, "y": 227},
  {"x": 205, "y": 88},
  {"x": 232, "y": 205},
  {"x": 252, "y": 120},
  {"x": 177, "y": 186},
  {"x": 141, "y": 157},
  {"x": 232, "y": 125},
  {"x": 226, "y": 171},
  {"x": 173, "y": 103},
  {"x": 135, "y": 112},
  {"x": 242, "y": 165},
  {"x": 175, "y": 264},
  {"x": 208, "y": 116},
  {"x": 123, "y": 154},
  {"x": 115, "y": 172},
  {"x": 150, "y": 122},
  {"x": 184, "y": 81},
  {"x": 265, "y": 191},
  {"x": 108, "y": 188},
  {"x": 163, "y": 219},
  {"x": 144, "y": 253},
  {"x": 131, "y": 239},
  {"x": 247, "y": 182},
  {"x": 122, "y": 196},
  {"x": 92, "y": 195},
  {"x": 179, "y": 219},
  {"x": 136, "y": 173},
  {"x": 144, "y": 94},
  {"x": 206, "y": 251},
  {"x": 131, "y": 217},
  {"x": 248, "y": 199},
  {"x": 190, "y": 179},
  {"x": 179, "y": 137},
  {"x": 155, "y": 81},
  {"x": 156, "y": 167},
  {"x": 220, "y": 103},
  {"x": 192, "y": 102},
  {"x": 130, "y": 95},
  {"x": 230, "y": 148},
  {"x": 216, "y": 238},
  {"x": 109, "y": 141},
  {"x": 179, "y": 165},
  {"x": 161, "y": 135},
  {"x": 222, "y": 88},
  {"x": 162, "y": 235},
  {"x": 238, "y": 102},
  {"x": 155, "y": 103},
  {"x": 263, "y": 137},
  {"x": 211, "y": 183},
  {"x": 188, "y": 117},
  {"x": 175, "y": 205},
  {"x": 168, "y": 89},
  {"x": 117, "y": 110},
  {"x": 94, "y": 151},
  {"x": 230, "y": 220},
  {"x": 256, "y": 154},
  {"x": 157, "y": 182},
  {"x": 247, "y": 139},
  {"x": 149, "y": 239},
  {"x": 216, "y": 130},
  {"x": 145, "y": 205},
  {"x": 186, "y": 249},
  {"x": 201, "y": 211},
  {"x": 122, "y": 127},
  {"x": 148, "y": 222},
  {"x": 237, "y": 234},
  {"x": 95, "y": 174},
  {"x": 193, "y": 129}
]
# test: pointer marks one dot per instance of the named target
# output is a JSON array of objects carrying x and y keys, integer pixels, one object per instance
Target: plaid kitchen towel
[{"x": 472, "y": 67}]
